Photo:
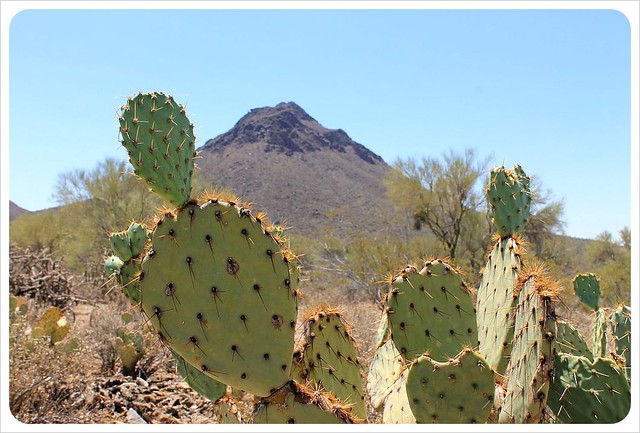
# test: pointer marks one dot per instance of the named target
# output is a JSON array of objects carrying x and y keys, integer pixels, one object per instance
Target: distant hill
[
  {"x": 15, "y": 211},
  {"x": 296, "y": 170}
]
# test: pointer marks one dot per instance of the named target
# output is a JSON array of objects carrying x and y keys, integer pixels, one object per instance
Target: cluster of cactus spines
[
  {"x": 430, "y": 310},
  {"x": 330, "y": 358},
  {"x": 509, "y": 198},
  {"x": 198, "y": 381},
  {"x": 160, "y": 141},
  {"x": 620, "y": 321},
  {"x": 220, "y": 290},
  {"x": 295, "y": 403},
  {"x": 460, "y": 390},
  {"x": 568, "y": 340},
  {"x": 496, "y": 302},
  {"x": 585, "y": 391},
  {"x": 532, "y": 356}
]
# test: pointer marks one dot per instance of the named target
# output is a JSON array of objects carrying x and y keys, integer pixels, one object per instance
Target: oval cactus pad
[
  {"x": 431, "y": 311},
  {"x": 160, "y": 142},
  {"x": 509, "y": 197},
  {"x": 220, "y": 290}
]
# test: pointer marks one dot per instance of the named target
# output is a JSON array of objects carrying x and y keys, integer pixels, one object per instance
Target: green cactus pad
[
  {"x": 568, "y": 340},
  {"x": 384, "y": 371},
  {"x": 509, "y": 197},
  {"x": 599, "y": 344},
  {"x": 496, "y": 302},
  {"x": 620, "y": 321},
  {"x": 330, "y": 358},
  {"x": 113, "y": 265},
  {"x": 531, "y": 358},
  {"x": 120, "y": 245},
  {"x": 588, "y": 392},
  {"x": 220, "y": 290},
  {"x": 198, "y": 381},
  {"x": 396, "y": 406},
  {"x": 431, "y": 311},
  {"x": 138, "y": 237},
  {"x": 587, "y": 287},
  {"x": 129, "y": 281},
  {"x": 382, "y": 333},
  {"x": 458, "y": 391},
  {"x": 294, "y": 403},
  {"x": 160, "y": 142}
]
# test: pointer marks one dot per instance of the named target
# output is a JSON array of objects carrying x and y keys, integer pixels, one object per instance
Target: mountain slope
[
  {"x": 15, "y": 211},
  {"x": 296, "y": 170}
]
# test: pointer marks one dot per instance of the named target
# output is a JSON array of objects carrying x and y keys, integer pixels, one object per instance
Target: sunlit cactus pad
[
  {"x": 396, "y": 406},
  {"x": 431, "y": 311},
  {"x": 531, "y": 360},
  {"x": 589, "y": 392},
  {"x": 330, "y": 357},
  {"x": 496, "y": 302},
  {"x": 384, "y": 371},
  {"x": 160, "y": 141},
  {"x": 295, "y": 403},
  {"x": 460, "y": 390},
  {"x": 509, "y": 197},
  {"x": 220, "y": 290}
]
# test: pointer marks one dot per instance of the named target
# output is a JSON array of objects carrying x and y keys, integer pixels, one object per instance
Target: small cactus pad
[
  {"x": 330, "y": 358},
  {"x": 509, "y": 197},
  {"x": 198, "y": 381},
  {"x": 138, "y": 236},
  {"x": 120, "y": 245},
  {"x": 620, "y": 321},
  {"x": 496, "y": 302},
  {"x": 587, "y": 287},
  {"x": 160, "y": 142},
  {"x": 396, "y": 406},
  {"x": 599, "y": 344},
  {"x": 53, "y": 324},
  {"x": 384, "y": 371},
  {"x": 531, "y": 358},
  {"x": 568, "y": 340},
  {"x": 588, "y": 392},
  {"x": 220, "y": 290},
  {"x": 431, "y": 311},
  {"x": 113, "y": 265},
  {"x": 129, "y": 281},
  {"x": 458, "y": 391},
  {"x": 295, "y": 403}
]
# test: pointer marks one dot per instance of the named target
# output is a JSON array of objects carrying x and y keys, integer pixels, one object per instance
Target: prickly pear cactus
[
  {"x": 220, "y": 290},
  {"x": 496, "y": 302},
  {"x": 384, "y": 370},
  {"x": 588, "y": 392},
  {"x": 509, "y": 197},
  {"x": 568, "y": 340},
  {"x": 330, "y": 357},
  {"x": 52, "y": 325},
  {"x": 620, "y": 321},
  {"x": 160, "y": 142},
  {"x": 457, "y": 391},
  {"x": 130, "y": 348},
  {"x": 599, "y": 344},
  {"x": 532, "y": 356},
  {"x": 295, "y": 403},
  {"x": 125, "y": 264},
  {"x": 587, "y": 288},
  {"x": 431, "y": 311},
  {"x": 397, "y": 409}
]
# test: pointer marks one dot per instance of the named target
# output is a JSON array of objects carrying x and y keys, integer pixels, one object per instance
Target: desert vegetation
[{"x": 84, "y": 349}]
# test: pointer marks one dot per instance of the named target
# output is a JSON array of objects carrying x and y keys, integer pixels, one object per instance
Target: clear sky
[{"x": 549, "y": 89}]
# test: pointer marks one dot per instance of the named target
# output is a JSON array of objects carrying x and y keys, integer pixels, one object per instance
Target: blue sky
[{"x": 549, "y": 89}]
